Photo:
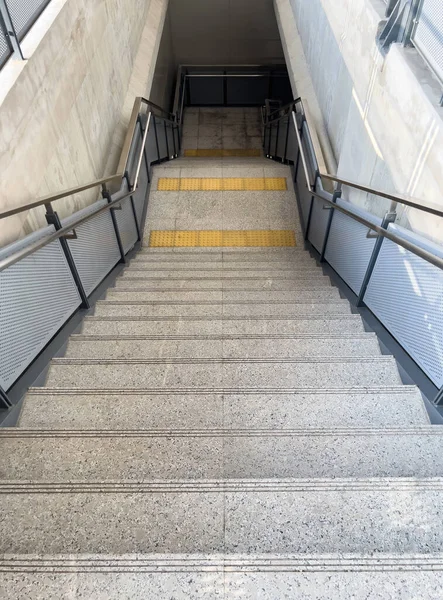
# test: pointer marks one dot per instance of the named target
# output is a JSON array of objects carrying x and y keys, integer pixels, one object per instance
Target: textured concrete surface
[
  {"x": 245, "y": 516},
  {"x": 152, "y": 309},
  {"x": 226, "y": 373},
  {"x": 216, "y": 454},
  {"x": 222, "y": 347},
  {"x": 400, "y": 406},
  {"x": 222, "y": 576}
]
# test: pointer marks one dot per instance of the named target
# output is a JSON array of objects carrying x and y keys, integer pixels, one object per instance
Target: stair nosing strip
[
  {"x": 363, "y": 390},
  {"x": 205, "y": 361}
]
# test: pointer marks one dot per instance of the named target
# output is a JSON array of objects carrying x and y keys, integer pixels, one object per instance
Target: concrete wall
[
  {"x": 377, "y": 117},
  {"x": 165, "y": 73},
  {"x": 225, "y": 32},
  {"x": 64, "y": 111}
]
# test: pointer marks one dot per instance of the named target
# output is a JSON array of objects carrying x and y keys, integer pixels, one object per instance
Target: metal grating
[
  {"x": 5, "y": 51},
  {"x": 141, "y": 192},
  {"x": 428, "y": 35},
  {"x": 161, "y": 137},
  {"x": 95, "y": 251},
  {"x": 24, "y": 13},
  {"x": 319, "y": 222},
  {"x": 126, "y": 225},
  {"x": 406, "y": 295},
  {"x": 348, "y": 249},
  {"x": 37, "y": 296}
]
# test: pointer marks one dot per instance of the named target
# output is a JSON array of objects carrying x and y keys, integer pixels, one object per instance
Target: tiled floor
[{"x": 227, "y": 128}]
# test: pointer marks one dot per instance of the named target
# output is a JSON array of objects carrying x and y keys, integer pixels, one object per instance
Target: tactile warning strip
[
  {"x": 232, "y": 184},
  {"x": 222, "y": 152},
  {"x": 245, "y": 238}
]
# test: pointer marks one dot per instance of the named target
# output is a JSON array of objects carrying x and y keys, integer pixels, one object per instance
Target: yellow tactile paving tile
[
  {"x": 219, "y": 184},
  {"x": 248, "y": 238},
  {"x": 222, "y": 153}
]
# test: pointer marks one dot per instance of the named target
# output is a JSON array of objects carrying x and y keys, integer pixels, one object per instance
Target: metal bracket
[
  {"x": 70, "y": 236},
  {"x": 327, "y": 207},
  {"x": 117, "y": 207},
  {"x": 4, "y": 400},
  {"x": 438, "y": 400}
]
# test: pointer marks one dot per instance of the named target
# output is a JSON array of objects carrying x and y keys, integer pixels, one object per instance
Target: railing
[
  {"x": 46, "y": 277},
  {"x": 16, "y": 19},
  {"x": 394, "y": 272},
  {"x": 233, "y": 85}
]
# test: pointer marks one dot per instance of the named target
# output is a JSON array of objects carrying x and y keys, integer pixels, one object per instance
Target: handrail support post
[
  {"x": 4, "y": 400},
  {"x": 107, "y": 196},
  {"x": 335, "y": 197},
  {"x": 52, "y": 218},
  {"x": 388, "y": 218}
]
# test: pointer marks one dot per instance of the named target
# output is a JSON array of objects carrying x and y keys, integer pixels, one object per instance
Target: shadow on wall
[{"x": 351, "y": 116}]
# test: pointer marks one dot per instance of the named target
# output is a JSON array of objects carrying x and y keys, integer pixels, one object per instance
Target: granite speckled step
[
  {"x": 310, "y": 516},
  {"x": 326, "y": 294},
  {"x": 114, "y": 308},
  {"x": 206, "y": 576},
  {"x": 219, "y": 454},
  {"x": 240, "y": 283},
  {"x": 215, "y": 373},
  {"x": 121, "y": 347},
  {"x": 70, "y": 408},
  {"x": 333, "y": 324}
]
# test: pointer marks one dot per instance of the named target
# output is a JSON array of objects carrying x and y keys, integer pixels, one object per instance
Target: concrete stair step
[
  {"x": 219, "y": 454},
  {"x": 105, "y": 308},
  {"x": 141, "y": 284},
  {"x": 223, "y": 253},
  {"x": 394, "y": 406},
  {"x": 225, "y": 274},
  {"x": 326, "y": 294},
  {"x": 309, "y": 516},
  {"x": 341, "y": 325},
  {"x": 146, "y": 263},
  {"x": 121, "y": 347},
  {"x": 205, "y": 577},
  {"x": 216, "y": 374}
]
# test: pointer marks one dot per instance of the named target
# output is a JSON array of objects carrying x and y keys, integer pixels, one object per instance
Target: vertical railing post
[
  {"x": 4, "y": 400},
  {"x": 156, "y": 137},
  {"x": 166, "y": 139},
  {"x": 270, "y": 138},
  {"x": 438, "y": 400},
  {"x": 276, "y": 139},
  {"x": 53, "y": 219},
  {"x": 11, "y": 36},
  {"x": 134, "y": 212},
  {"x": 286, "y": 141},
  {"x": 335, "y": 197},
  {"x": 388, "y": 218},
  {"x": 107, "y": 196}
]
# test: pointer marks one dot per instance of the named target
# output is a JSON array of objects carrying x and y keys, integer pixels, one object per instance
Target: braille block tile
[
  {"x": 232, "y": 238},
  {"x": 198, "y": 184}
]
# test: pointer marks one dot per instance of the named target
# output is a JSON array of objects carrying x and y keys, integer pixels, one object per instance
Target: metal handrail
[
  {"x": 28, "y": 250},
  {"x": 323, "y": 172},
  {"x": 417, "y": 250},
  {"x": 121, "y": 169},
  {"x": 60, "y": 233}
]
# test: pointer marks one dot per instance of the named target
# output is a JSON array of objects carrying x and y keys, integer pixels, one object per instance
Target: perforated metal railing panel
[
  {"x": 126, "y": 225},
  {"x": 428, "y": 36},
  {"x": 141, "y": 192},
  {"x": 95, "y": 251},
  {"x": 349, "y": 249},
  {"x": 319, "y": 222},
  {"x": 24, "y": 13},
  {"x": 5, "y": 51},
  {"x": 37, "y": 296},
  {"x": 406, "y": 294}
]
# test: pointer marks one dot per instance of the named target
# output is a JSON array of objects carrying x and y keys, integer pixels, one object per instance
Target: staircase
[{"x": 223, "y": 426}]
